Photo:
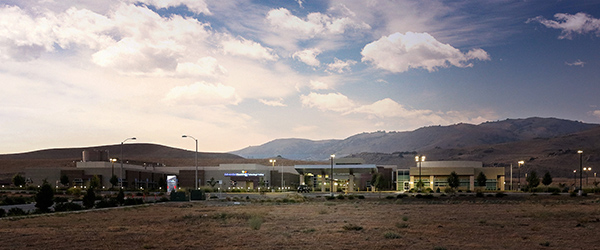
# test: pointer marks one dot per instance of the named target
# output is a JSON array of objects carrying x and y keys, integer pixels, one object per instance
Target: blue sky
[{"x": 240, "y": 73}]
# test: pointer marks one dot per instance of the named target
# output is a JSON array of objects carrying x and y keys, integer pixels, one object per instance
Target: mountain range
[{"x": 424, "y": 139}]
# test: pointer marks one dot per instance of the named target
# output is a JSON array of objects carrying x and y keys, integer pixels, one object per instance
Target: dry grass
[{"x": 439, "y": 224}]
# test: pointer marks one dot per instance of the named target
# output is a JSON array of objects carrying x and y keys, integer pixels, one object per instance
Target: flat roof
[{"x": 350, "y": 168}]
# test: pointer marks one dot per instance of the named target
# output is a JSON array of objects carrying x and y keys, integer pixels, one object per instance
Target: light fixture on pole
[
  {"x": 332, "y": 157},
  {"x": 521, "y": 163},
  {"x": 121, "y": 177},
  {"x": 272, "y": 161},
  {"x": 419, "y": 159},
  {"x": 586, "y": 174},
  {"x": 580, "y": 152},
  {"x": 196, "y": 156}
]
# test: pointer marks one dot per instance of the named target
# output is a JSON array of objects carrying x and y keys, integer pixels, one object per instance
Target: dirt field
[{"x": 533, "y": 222}]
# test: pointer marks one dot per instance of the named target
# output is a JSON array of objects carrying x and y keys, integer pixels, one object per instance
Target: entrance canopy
[{"x": 337, "y": 169}]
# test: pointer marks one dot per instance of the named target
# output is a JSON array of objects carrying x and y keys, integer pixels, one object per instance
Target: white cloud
[
  {"x": 324, "y": 102},
  {"x": 314, "y": 84},
  {"x": 314, "y": 24},
  {"x": 580, "y": 23},
  {"x": 273, "y": 103},
  {"x": 205, "y": 66},
  {"x": 203, "y": 94},
  {"x": 249, "y": 49},
  {"x": 308, "y": 56},
  {"x": 400, "y": 52},
  {"x": 576, "y": 63},
  {"x": 595, "y": 113},
  {"x": 389, "y": 108},
  {"x": 340, "y": 66}
]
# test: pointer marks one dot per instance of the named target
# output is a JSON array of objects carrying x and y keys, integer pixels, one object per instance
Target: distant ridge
[{"x": 427, "y": 138}]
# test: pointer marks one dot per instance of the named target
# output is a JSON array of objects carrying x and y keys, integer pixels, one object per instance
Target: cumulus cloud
[
  {"x": 400, "y": 52},
  {"x": 389, "y": 108},
  {"x": 570, "y": 25},
  {"x": 248, "y": 48},
  {"x": 595, "y": 113},
  {"x": 203, "y": 94},
  {"x": 314, "y": 24},
  {"x": 205, "y": 66},
  {"x": 575, "y": 63},
  {"x": 327, "y": 102},
  {"x": 340, "y": 66},
  {"x": 273, "y": 103},
  {"x": 308, "y": 56},
  {"x": 24, "y": 37},
  {"x": 314, "y": 84}
]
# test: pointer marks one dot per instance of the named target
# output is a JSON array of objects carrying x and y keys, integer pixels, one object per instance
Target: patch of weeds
[
  {"x": 404, "y": 218},
  {"x": 439, "y": 248},
  {"x": 482, "y": 222},
  {"x": 148, "y": 247},
  {"x": 352, "y": 227},
  {"x": 390, "y": 197},
  {"x": 255, "y": 222},
  {"x": 309, "y": 230},
  {"x": 401, "y": 225},
  {"x": 340, "y": 197},
  {"x": 351, "y": 197},
  {"x": 323, "y": 211},
  {"x": 545, "y": 244},
  {"x": 391, "y": 235}
]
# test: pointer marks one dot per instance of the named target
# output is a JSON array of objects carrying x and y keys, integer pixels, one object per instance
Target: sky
[{"x": 234, "y": 74}]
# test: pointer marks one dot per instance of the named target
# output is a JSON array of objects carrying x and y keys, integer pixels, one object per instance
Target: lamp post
[
  {"x": 420, "y": 159},
  {"x": 520, "y": 163},
  {"x": 580, "y": 152},
  {"x": 332, "y": 157},
  {"x": 132, "y": 138},
  {"x": 272, "y": 161},
  {"x": 586, "y": 174},
  {"x": 112, "y": 161},
  {"x": 574, "y": 179},
  {"x": 196, "y": 156}
]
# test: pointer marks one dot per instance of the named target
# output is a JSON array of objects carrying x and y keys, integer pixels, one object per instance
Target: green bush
[
  {"x": 500, "y": 194},
  {"x": 352, "y": 227},
  {"x": 401, "y": 196},
  {"x": 111, "y": 202},
  {"x": 329, "y": 197},
  {"x": 391, "y": 235},
  {"x": 15, "y": 211},
  {"x": 360, "y": 196},
  {"x": 255, "y": 222},
  {"x": 67, "y": 206},
  {"x": 340, "y": 197}
]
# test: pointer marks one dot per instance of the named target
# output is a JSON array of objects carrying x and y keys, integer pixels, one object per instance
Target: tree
[
  {"x": 532, "y": 180},
  {"x": 64, "y": 179},
  {"x": 44, "y": 198},
  {"x": 378, "y": 182},
  {"x": 121, "y": 197},
  {"x": 212, "y": 182},
  {"x": 114, "y": 180},
  {"x": 547, "y": 179},
  {"x": 18, "y": 180},
  {"x": 89, "y": 199},
  {"x": 453, "y": 180},
  {"x": 481, "y": 179},
  {"x": 162, "y": 183},
  {"x": 95, "y": 182}
]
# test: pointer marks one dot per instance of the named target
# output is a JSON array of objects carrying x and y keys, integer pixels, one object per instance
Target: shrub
[
  {"x": 89, "y": 199},
  {"x": 67, "y": 206},
  {"x": 352, "y": 227},
  {"x": 74, "y": 191},
  {"x": 135, "y": 201},
  {"x": 479, "y": 193},
  {"x": 400, "y": 196},
  {"x": 60, "y": 199},
  {"x": 500, "y": 194},
  {"x": 2, "y": 213},
  {"x": 15, "y": 211},
  {"x": 401, "y": 225},
  {"x": 391, "y": 235},
  {"x": 390, "y": 197},
  {"x": 360, "y": 196},
  {"x": 329, "y": 197},
  {"x": 112, "y": 202},
  {"x": 255, "y": 222},
  {"x": 340, "y": 197}
]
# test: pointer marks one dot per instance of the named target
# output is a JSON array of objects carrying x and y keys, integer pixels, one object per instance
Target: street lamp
[
  {"x": 132, "y": 138},
  {"x": 586, "y": 174},
  {"x": 196, "y": 156},
  {"x": 420, "y": 159},
  {"x": 272, "y": 161},
  {"x": 332, "y": 157},
  {"x": 520, "y": 163},
  {"x": 580, "y": 152},
  {"x": 113, "y": 160},
  {"x": 574, "y": 179}
]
